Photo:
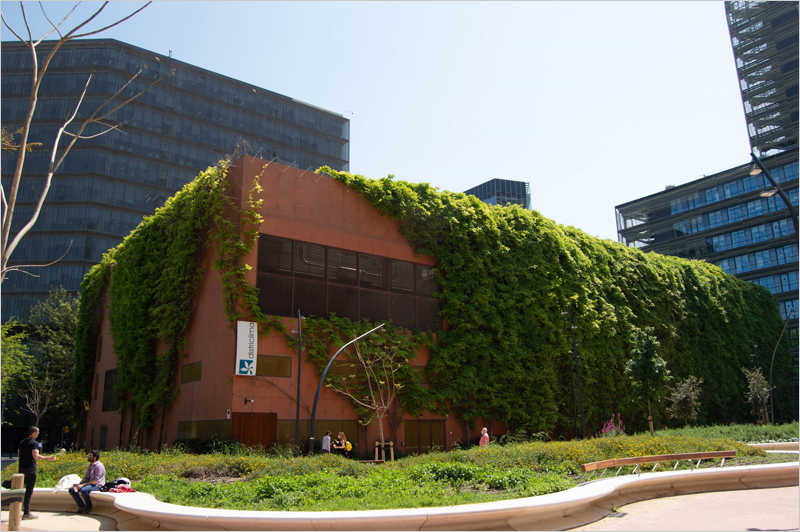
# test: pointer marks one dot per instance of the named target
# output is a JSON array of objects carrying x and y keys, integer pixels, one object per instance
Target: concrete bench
[
  {"x": 11, "y": 494},
  {"x": 639, "y": 460}
]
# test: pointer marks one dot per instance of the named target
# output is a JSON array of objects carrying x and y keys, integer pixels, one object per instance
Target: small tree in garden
[
  {"x": 684, "y": 399},
  {"x": 757, "y": 393},
  {"x": 647, "y": 370}
]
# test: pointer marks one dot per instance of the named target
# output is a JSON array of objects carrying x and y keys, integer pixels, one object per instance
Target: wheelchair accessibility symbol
[{"x": 246, "y": 367}]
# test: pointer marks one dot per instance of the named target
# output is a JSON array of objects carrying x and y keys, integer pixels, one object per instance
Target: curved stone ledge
[
  {"x": 557, "y": 511},
  {"x": 780, "y": 446}
]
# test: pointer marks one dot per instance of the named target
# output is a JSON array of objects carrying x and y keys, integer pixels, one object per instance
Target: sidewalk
[
  {"x": 755, "y": 509},
  {"x": 759, "y": 509},
  {"x": 58, "y": 521}
]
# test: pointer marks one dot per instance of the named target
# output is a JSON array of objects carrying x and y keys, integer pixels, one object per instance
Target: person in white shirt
[{"x": 326, "y": 442}]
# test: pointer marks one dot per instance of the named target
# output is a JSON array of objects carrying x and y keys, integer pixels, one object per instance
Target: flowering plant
[{"x": 613, "y": 428}]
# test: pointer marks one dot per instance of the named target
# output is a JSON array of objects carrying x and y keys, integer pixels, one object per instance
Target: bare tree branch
[
  {"x": 9, "y": 201},
  {"x": 111, "y": 25},
  {"x": 16, "y": 267}
]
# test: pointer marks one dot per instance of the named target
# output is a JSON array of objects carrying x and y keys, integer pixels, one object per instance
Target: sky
[{"x": 593, "y": 103}]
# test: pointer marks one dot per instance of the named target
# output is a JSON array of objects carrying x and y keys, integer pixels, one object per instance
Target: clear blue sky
[{"x": 593, "y": 103}]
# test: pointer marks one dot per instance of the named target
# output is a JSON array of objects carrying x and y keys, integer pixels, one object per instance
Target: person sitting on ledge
[{"x": 93, "y": 480}]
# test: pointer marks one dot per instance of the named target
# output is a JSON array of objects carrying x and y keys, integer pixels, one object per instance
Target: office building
[
  {"x": 187, "y": 122},
  {"x": 764, "y": 36},
  {"x": 503, "y": 192}
]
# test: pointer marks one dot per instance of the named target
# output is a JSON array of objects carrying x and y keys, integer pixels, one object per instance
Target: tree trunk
[{"x": 650, "y": 419}]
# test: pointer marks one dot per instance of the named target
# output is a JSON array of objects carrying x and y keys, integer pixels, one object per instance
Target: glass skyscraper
[
  {"x": 503, "y": 192},
  {"x": 764, "y": 36},
  {"x": 186, "y": 123}
]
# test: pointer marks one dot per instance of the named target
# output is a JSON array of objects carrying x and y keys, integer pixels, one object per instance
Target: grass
[
  {"x": 744, "y": 433},
  {"x": 247, "y": 480}
]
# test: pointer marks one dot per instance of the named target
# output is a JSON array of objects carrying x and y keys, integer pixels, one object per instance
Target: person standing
[
  {"x": 28, "y": 453},
  {"x": 340, "y": 446},
  {"x": 326, "y": 442},
  {"x": 484, "y": 437},
  {"x": 93, "y": 480}
]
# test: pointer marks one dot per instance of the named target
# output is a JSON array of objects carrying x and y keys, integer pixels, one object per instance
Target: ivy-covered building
[
  {"x": 106, "y": 185},
  {"x": 321, "y": 248},
  {"x": 188, "y": 329}
]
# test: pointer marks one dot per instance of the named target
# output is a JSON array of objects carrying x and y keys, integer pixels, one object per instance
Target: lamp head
[
  {"x": 754, "y": 169},
  {"x": 768, "y": 193}
]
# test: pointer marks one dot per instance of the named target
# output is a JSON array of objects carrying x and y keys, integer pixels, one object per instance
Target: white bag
[{"x": 66, "y": 483}]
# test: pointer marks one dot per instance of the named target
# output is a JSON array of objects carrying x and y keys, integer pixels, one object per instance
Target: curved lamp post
[
  {"x": 771, "y": 395},
  {"x": 319, "y": 387},
  {"x": 757, "y": 168},
  {"x": 575, "y": 360}
]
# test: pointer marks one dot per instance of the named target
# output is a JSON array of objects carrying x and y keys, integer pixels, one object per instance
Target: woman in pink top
[{"x": 484, "y": 437}]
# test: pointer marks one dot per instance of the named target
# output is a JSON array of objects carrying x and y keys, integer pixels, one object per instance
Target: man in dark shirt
[{"x": 28, "y": 453}]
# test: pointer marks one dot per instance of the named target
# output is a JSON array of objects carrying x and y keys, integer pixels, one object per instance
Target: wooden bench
[{"x": 639, "y": 460}]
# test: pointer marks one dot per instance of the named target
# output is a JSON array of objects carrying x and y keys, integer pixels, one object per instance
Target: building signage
[{"x": 246, "y": 348}]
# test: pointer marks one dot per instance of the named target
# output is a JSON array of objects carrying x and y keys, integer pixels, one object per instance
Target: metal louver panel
[
  {"x": 402, "y": 276},
  {"x": 274, "y": 255},
  {"x": 275, "y": 295},
  {"x": 403, "y": 311},
  {"x": 426, "y": 281},
  {"x": 342, "y": 266},
  {"x": 309, "y": 260},
  {"x": 373, "y": 272},
  {"x": 374, "y": 305},
  {"x": 309, "y": 298},
  {"x": 429, "y": 314},
  {"x": 343, "y": 301}
]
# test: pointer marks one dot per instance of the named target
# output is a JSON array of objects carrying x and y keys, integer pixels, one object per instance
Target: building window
[
  {"x": 191, "y": 372},
  {"x": 273, "y": 366},
  {"x": 96, "y": 385},
  {"x": 110, "y": 381}
]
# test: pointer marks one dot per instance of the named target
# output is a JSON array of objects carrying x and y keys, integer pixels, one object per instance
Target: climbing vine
[{"x": 507, "y": 275}]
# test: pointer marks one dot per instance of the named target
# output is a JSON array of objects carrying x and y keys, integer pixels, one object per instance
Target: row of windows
[
  {"x": 732, "y": 189},
  {"x": 69, "y": 277},
  {"x": 36, "y": 248},
  {"x": 171, "y": 150},
  {"x": 736, "y": 213},
  {"x": 18, "y": 307},
  {"x": 759, "y": 260},
  {"x": 106, "y": 163},
  {"x": 318, "y": 280},
  {"x": 751, "y": 235},
  {"x": 313, "y": 261},
  {"x": 90, "y": 189},
  {"x": 77, "y": 218},
  {"x": 137, "y": 116},
  {"x": 778, "y": 284},
  {"x": 183, "y": 79}
]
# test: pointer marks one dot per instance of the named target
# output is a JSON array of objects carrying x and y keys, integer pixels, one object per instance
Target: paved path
[
  {"x": 760, "y": 509},
  {"x": 776, "y": 509},
  {"x": 62, "y": 521}
]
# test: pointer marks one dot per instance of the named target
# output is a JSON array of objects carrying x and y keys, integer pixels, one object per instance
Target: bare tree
[
  {"x": 375, "y": 382},
  {"x": 97, "y": 117},
  {"x": 38, "y": 394}
]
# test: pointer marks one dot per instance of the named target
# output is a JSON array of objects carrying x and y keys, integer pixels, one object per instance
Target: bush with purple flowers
[{"x": 613, "y": 428}]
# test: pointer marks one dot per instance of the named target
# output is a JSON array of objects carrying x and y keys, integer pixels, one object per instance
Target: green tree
[
  {"x": 684, "y": 399},
  {"x": 757, "y": 394},
  {"x": 647, "y": 370},
  {"x": 15, "y": 361},
  {"x": 53, "y": 324}
]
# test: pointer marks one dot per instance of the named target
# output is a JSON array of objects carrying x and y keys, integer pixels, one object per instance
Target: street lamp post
[
  {"x": 755, "y": 351},
  {"x": 299, "y": 332},
  {"x": 576, "y": 361},
  {"x": 771, "y": 394},
  {"x": 319, "y": 387}
]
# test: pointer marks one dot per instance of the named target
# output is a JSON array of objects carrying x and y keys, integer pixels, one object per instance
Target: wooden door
[{"x": 252, "y": 428}]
